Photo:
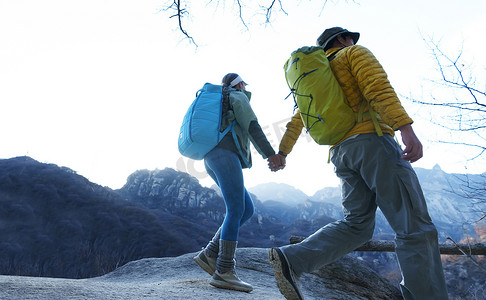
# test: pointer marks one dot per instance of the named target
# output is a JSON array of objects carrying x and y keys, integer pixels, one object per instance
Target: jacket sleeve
[
  {"x": 376, "y": 88},
  {"x": 247, "y": 120},
  {"x": 260, "y": 141},
  {"x": 292, "y": 133}
]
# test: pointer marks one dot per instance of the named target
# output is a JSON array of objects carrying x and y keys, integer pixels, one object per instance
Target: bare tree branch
[
  {"x": 179, "y": 14},
  {"x": 467, "y": 110},
  {"x": 240, "y": 12},
  {"x": 269, "y": 9},
  {"x": 462, "y": 83},
  {"x": 482, "y": 148},
  {"x": 463, "y": 107},
  {"x": 470, "y": 189},
  {"x": 469, "y": 252},
  {"x": 180, "y": 10}
]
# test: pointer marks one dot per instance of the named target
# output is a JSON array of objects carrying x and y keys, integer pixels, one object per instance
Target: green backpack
[{"x": 323, "y": 107}]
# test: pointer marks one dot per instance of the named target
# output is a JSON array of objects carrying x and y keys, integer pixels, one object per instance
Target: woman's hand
[{"x": 276, "y": 162}]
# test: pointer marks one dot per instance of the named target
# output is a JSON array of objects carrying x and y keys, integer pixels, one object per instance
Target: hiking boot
[
  {"x": 206, "y": 263},
  {"x": 287, "y": 282},
  {"x": 229, "y": 281}
]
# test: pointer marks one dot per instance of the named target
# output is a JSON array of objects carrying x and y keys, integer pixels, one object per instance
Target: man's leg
[
  {"x": 401, "y": 200},
  {"x": 341, "y": 237}
]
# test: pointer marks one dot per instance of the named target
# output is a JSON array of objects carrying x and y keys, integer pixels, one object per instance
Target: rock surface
[{"x": 180, "y": 278}]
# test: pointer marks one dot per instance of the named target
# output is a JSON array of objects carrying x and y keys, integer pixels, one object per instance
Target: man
[{"x": 374, "y": 172}]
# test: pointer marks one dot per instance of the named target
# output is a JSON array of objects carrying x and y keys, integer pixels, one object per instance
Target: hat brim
[
  {"x": 237, "y": 80},
  {"x": 354, "y": 36}
]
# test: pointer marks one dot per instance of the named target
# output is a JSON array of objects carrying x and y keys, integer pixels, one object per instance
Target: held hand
[
  {"x": 276, "y": 162},
  {"x": 413, "y": 147},
  {"x": 282, "y": 161},
  {"x": 273, "y": 163}
]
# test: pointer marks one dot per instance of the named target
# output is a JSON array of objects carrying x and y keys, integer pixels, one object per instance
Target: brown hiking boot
[{"x": 287, "y": 282}]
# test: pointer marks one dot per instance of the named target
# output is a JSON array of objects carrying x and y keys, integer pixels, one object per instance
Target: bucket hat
[{"x": 330, "y": 33}]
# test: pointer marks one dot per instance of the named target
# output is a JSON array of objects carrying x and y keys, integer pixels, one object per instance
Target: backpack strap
[
  {"x": 227, "y": 130},
  {"x": 237, "y": 143},
  {"x": 374, "y": 118},
  {"x": 370, "y": 114},
  {"x": 331, "y": 57}
]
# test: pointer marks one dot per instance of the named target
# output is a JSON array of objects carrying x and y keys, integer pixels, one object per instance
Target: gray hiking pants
[{"x": 372, "y": 174}]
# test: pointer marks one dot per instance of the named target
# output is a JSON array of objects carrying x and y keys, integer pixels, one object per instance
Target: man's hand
[
  {"x": 413, "y": 147},
  {"x": 276, "y": 162}
]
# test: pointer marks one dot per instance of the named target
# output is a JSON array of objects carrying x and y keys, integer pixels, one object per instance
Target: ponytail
[{"x": 226, "y": 83}]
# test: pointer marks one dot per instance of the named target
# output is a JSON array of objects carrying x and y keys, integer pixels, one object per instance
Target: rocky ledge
[{"x": 180, "y": 278}]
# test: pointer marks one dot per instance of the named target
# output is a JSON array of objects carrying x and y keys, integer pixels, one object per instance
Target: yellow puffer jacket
[{"x": 363, "y": 79}]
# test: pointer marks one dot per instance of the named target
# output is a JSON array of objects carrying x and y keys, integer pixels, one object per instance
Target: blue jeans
[
  {"x": 225, "y": 169},
  {"x": 373, "y": 175}
]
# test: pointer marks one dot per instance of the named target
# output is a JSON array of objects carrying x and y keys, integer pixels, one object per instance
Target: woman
[{"x": 224, "y": 164}]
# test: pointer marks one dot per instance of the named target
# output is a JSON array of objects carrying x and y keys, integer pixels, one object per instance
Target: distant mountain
[
  {"x": 330, "y": 195},
  {"x": 454, "y": 215},
  {"x": 180, "y": 194},
  {"x": 175, "y": 193},
  {"x": 56, "y": 223},
  {"x": 280, "y": 192}
]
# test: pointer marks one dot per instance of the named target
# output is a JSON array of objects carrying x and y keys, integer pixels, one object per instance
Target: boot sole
[
  {"x": 229, "y": 286},
  {"x": 285, "y": 283}
]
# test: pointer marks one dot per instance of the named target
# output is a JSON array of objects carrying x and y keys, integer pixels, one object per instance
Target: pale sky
[{"x": 101, "y": 86}]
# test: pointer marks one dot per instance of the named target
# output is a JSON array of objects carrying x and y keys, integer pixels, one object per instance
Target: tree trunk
[{"x": 389, "y": 246}]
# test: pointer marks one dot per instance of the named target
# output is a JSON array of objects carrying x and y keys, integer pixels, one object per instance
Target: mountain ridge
[{"x": 452, "y": 213}]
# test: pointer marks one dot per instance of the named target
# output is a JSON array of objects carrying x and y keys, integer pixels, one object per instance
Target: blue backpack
[{"x": 200, "y": 130}]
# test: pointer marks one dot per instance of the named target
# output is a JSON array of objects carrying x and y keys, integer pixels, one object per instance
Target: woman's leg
[
  {"x": 249, "y": 208},
  {"x": 225, "y": 166}
]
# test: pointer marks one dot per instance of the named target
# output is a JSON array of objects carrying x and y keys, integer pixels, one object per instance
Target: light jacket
[
  {"x": 362, "y": 78},
  {"x": 241, "y": 111}
]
